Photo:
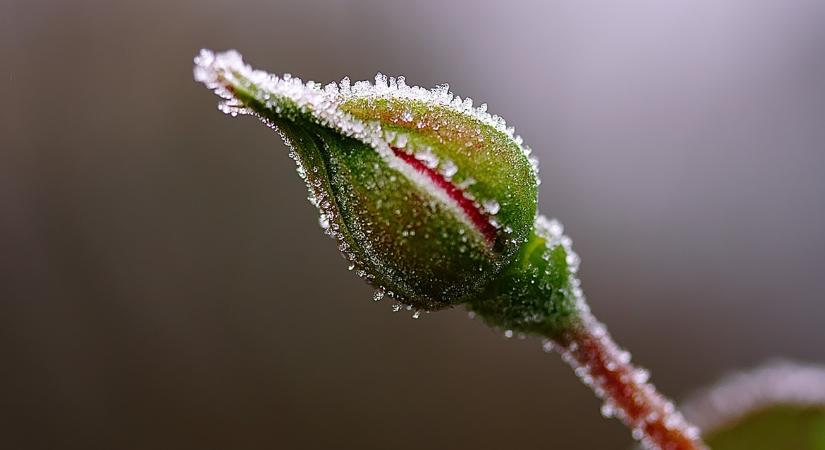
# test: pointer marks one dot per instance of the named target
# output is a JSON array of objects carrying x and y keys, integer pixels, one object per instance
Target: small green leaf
[
  {"x": 780, "y": 427},
  {"x": 780, "y": 406}
]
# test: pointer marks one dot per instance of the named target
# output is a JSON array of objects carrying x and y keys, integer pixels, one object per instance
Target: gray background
[{"x": 164, "y": 283}]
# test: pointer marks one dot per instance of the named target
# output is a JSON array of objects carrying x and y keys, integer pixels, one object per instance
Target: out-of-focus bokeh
[{"x": 164, "y": 282}]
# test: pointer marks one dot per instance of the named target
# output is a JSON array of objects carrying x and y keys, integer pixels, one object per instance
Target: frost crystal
[{"x": 491, "y": 206}]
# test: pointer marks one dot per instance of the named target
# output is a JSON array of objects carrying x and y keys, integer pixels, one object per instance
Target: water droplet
[
  {"x": 401, "y": 141},
  {"x": 427, "y": 156},
  {"x": 448, "y": 168},
  {"x": 640, "y": 376},
  {"x": 491, "y": 206}
]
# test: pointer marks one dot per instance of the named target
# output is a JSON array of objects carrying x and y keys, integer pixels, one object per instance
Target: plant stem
[{"x": 606, "y": 368}]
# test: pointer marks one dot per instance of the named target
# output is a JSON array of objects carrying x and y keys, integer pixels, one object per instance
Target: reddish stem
[{"x": 590, "y": 350}]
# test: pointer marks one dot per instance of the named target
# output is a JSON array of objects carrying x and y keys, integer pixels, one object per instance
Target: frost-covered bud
[
  {"x": 430, "y": 198},
  {"x": 434, "y": 202}
]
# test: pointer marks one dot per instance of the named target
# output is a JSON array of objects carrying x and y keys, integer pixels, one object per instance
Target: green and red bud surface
[{"x": 433, "y": 200}]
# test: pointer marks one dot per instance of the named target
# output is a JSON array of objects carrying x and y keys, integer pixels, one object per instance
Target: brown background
[{"x": 164, "y": 283}]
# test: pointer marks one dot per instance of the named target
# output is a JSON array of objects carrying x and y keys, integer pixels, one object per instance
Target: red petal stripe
[{"x": 478, "y": 218}]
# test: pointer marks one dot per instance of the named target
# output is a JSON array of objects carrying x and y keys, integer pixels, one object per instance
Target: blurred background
[{"x": 164, "y": 283}]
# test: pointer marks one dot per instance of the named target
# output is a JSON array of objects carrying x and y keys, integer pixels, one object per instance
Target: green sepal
[{"x": 536, "y": 294}]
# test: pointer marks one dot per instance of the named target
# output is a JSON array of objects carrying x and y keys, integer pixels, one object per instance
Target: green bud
[{"x": 432, "y": 200}]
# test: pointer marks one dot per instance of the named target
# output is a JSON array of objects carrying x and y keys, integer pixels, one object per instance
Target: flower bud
[{"x": 430, "y": 198}]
